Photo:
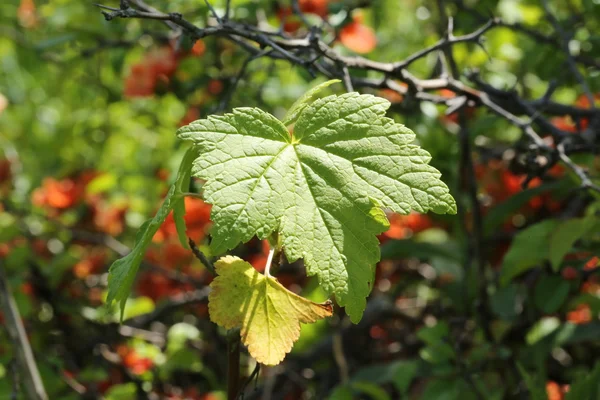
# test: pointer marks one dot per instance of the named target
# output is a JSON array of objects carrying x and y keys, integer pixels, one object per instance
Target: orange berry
[{"x": 358, "y": 37}]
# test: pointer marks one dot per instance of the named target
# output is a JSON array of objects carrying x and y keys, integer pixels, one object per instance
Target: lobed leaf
[
  {"x": 268, "y": 314},
  {"x": 322, "y": 189}
]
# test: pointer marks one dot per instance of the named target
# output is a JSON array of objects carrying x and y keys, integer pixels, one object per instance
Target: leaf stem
[
  {"x": 190, "y": 194},
  {"x": 269, "y": 262}
]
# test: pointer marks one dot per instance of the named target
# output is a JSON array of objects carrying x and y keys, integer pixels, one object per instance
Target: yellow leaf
[{"x": 268, "y": 314}]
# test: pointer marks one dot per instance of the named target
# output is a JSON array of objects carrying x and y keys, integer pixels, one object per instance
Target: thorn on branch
[
  {"x": 213, "y": 12},
  {"x": 201, "y": 257}
]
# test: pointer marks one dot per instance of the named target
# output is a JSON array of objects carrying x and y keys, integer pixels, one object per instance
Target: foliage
[
  {"x": 499, "y": 301},
  {"x": 319, "y": 188}
]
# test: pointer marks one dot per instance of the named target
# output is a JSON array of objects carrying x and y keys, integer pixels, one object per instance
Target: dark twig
[
  {"x": 227, "y": 10},
  {"x": 253, "y": 375},
  {"x": 213, "y": 12},
  {"x": 176, "y": 301},
  {"x": 586, "y": 183},
  {"x": 564, "y": 43}
]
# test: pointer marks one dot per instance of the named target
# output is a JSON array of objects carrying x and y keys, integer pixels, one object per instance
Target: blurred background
[{"x": 498, "y": 302}]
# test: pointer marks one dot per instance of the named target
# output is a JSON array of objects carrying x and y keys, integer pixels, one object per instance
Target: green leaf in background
[
  {"x": 182, "y": 184},
  {"x": 550, "y": 293},
  {"x": 405, "y": 248},
  {"x": 499, "y": 213},
  {"x": 341, "y": 393},
  {"x": 565, "y": 235},
  {"x": 552, "y": 239},
  {"x": 535, "y": 385},
  {"x": 507, "y": 302},
  {"x": 320, "y": 188},
  {"x": 520, "y": 256},
  {"x": 400, "y": 373},
  {"x": 586, "y": 387},
  {"x": 126, "y": 391},
  {"x": 121, "y": 274},
  {"x": 352, "y": 389},
  {"x": 444, "y": 389},
  {"x": 542, "y": 329},
  {"x": 406, "y": 371}
]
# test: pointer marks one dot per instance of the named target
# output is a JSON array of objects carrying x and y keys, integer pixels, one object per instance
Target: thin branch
[
  {"x": 202, "y": 257},
  {"x": 34, "y": 387},
  {"x": 253, "y": 375},
  {"x": 564, "y": 42},
  {"x": 176, "y": 301},
  {"x": 340, "y": 357}
]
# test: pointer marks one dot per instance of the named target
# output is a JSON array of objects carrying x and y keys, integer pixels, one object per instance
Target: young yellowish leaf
[{"x": 268, "y": 314}]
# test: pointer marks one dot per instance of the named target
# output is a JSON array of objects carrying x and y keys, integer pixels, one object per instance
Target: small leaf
[
  {"x": 541, "y": 329},
  {"x": 550, "y": 293},
  {"x": 121, "y": 274},
  {"x": 565, "y": 235},
  {"x": 586, "y": 386},
  {"x": 552, "y": 239},
  {"x": 182, "y": 184},
  {"x": 520, "y": 256},
  {"x": 535, "y": 384},
  {"x": 294, "y": 112},
  {"x": 268, "y": 314},
  {"x": 499, "y": 213}
]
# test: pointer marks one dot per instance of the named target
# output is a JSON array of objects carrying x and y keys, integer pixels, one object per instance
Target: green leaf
[
  {"x": 405, "y": 373},
  {"x": 550, "y": 293},
  {"x": 182, "y": 184},
  {"x": 399, "y": 249},
  {"x": 541, "y": 329},
  {"x": 444, "y": 389},
  {"x": 563, "y": 238},
  {"x": 370, "y": 389},
  {"x": 296, "y": 109},
  {"x": 507, "y": 302},
  {"x": 520, "y": 256},
  {"x": 586, "y": 387},
  {"x": 499, "y": 213},
  {"x": 121, "y": 274},
  {"x": 535, "y": 385},
  {"x": 321, "y": 188},
  {"x": 125, "y": 391},
  {"x": 552, "y": 239}
]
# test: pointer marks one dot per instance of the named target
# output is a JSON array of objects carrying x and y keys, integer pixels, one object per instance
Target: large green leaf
[{"x": 320, "y": 188}]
